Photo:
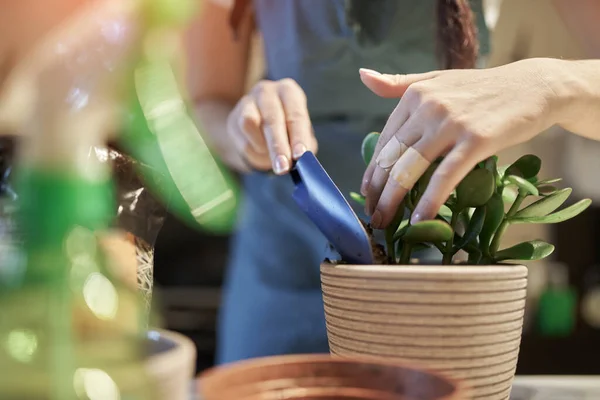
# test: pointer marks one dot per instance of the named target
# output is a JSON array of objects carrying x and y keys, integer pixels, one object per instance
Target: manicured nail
[
  {"x": 364, "y": 188},
  {"x": 299, "y": 149},
  {"x": 416, "y": 217},
  {"x": 282, "y": 164},
  {"x": 369, "y": 72},
  {"x": 376, "y": 219}
]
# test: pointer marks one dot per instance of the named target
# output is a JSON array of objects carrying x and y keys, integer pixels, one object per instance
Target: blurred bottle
[{"x": 557, "y": 307}]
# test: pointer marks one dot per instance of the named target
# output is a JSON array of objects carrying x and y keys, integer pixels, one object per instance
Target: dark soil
[{"x": 379, "y": 254}]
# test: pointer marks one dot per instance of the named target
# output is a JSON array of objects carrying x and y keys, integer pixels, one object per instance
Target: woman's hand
[
  {"x": 464, "y": 115},
  {"x": 270, "y": 126}
]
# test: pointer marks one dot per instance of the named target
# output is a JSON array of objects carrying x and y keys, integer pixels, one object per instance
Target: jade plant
[{"x": 478, "y": 212}]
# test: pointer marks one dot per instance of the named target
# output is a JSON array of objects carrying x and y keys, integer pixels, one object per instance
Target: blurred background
[{"x": 562, "y": 332}]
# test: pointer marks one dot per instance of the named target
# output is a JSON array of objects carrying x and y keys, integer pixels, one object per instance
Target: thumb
[{"x": 388, "y": 85}]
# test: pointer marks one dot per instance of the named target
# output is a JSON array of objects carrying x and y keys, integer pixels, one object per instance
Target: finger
[
  {"x": 403, "y": 176},
  {"x": 258, "y": 161},
  {"x": 249, "y": 123},
  {"x": 455, "y": 166},
  {"x": 296, "y": 117},
  {"x": 273, "y": 126},
  {"x": 396, "y": 120},
  {"x": 407, "y": 135},
  {"x": 389, "y": 86}
]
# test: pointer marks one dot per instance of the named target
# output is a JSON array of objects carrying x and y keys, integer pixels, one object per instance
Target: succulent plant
[{"x": 478, "y": 212}]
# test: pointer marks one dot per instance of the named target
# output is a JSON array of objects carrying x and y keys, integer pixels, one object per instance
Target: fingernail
[
  {"x": 369, "y": 72},
  {"x": 376, "y": 219},
  {"x": 364, "y": 187},
  {"x": 282, "y": 164},
  {"x": 299, "y": 149},
  {"x": 416, "y": 217}
]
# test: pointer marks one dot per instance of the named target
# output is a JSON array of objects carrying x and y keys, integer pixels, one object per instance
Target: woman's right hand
[{"x": 270, "y": 126}]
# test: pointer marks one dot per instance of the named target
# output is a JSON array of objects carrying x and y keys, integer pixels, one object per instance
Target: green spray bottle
[{"x": 59, "y": 331}]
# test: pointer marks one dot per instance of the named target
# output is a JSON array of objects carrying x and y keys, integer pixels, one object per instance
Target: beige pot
[
  {"x": 465, "y": 321},
  {"x": 171, "y": 365}
]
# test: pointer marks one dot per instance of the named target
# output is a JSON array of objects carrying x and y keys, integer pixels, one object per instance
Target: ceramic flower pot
[
  {"x": 312, "y": 377},
  {"x": 465, "y": 321},
  {"x": 171, "y": 364}
]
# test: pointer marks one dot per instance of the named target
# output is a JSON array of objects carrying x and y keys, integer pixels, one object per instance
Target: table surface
[{"x": 548, "y": 387}]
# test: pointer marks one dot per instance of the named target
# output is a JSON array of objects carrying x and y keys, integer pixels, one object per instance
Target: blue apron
[{"x": 272, "y": 300}]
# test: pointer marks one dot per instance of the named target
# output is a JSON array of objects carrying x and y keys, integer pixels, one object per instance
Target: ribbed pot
[{"x": 465, "y": 321}]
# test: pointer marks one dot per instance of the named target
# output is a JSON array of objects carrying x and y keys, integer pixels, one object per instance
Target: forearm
[
  {"x": 212, "y": 118},
  {"x": 576, "y": 85}
]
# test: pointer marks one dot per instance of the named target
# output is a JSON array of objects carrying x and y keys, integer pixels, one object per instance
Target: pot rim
[
  {"x": 162, "y": 362},
  {"x": 236, "y": 367},
  {"x": 425, "y": 270}
]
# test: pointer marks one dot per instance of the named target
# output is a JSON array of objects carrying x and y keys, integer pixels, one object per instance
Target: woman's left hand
[{"x": 464, "y": 115}]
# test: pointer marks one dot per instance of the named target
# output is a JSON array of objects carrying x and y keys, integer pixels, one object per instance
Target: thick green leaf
[
  {"x": 368, "y": 146},
  {"x": 473, "y": 229},
  {"x": 527, "y": 251},
  {"x": 428, "y": 231},
  {"x": 548, "y": 181},
  {"x": 357, "y": 197},
  {"x": 445, "y": 211},
  {"x": 494, "y": 214},
  {"x": 527, "y": 167},
  {"x": 545, "y": 206},
  {"x": 559, "y": 216},
  {"x": 402, "y": 228},
  {"x": 547, "y": 190},
  {"x": 475, "y": 189},
  {"x": 523, "y": 184},
  {"x": 509, "y": 195}
]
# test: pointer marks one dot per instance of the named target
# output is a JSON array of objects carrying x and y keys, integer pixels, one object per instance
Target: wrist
[{"x": 568, "y": 91}]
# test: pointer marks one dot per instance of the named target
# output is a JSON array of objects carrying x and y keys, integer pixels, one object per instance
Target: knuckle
[
  {"x": 436, "y": 107},
  {"x": 263, "y": 88},
  {"x": 296, "y": 116},
  {"x": 288, "y": 84},
  {"x": 414, "y": 93}
]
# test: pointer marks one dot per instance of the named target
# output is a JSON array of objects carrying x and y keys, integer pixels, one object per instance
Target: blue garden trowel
[{"x": 324, "y": 204}]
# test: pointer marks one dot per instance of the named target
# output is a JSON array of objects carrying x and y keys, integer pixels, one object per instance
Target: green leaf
[
  {"x": 502, "y": 170},
  {"x": 559, "y": 216},
  {"x": 527, "y": 251},
  {"x": 428, "y": 231},
  {"x": 523, "y": 184},
  {"x": 545, "y": 206},
  {"x": 357, "y": 197},
  {"x": 509, "y": 195},
  {"x": 402, "y": 228},
  {"x": 368, "y": 146},
  {"x": 548, "y": 181},
  {"x": 445, "y": 211},
  {"x": 547, "y": 190},
  {"x": 473, "y": 229},
  {"x": 475, "y": 189},
  {"x": 527, "y": 166},
  {"x": 494, "y": 214}
]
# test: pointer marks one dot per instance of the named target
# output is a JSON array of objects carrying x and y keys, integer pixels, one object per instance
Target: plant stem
[
  {"x": 448, "y": 254},
  {"x": 390, "y": 245},
  {"x": 504, "y": 224},
  {"x": 405, "y": 256}
]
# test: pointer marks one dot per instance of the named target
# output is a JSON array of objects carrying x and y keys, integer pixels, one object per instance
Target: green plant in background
[{"x": 475, "y": 216}]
